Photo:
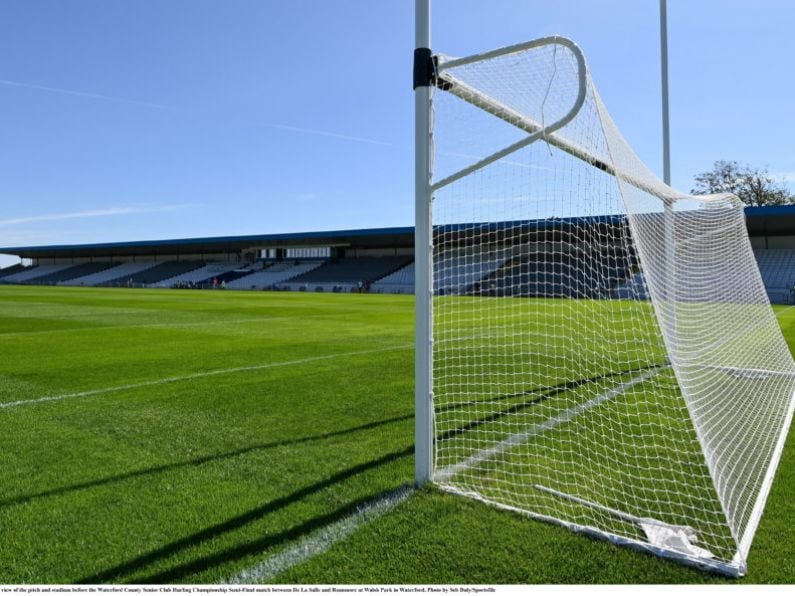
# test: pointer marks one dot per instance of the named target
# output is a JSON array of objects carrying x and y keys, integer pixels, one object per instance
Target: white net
[{"x": 604, "y": 352}]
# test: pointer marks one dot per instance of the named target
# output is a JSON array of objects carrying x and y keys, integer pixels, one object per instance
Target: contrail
[
  {"x": 93, "y": 213},
  {"x": 158, "y": 106},
  {"x": 74, "y": 93},
  {"x": 333, "y": 135},
  {"x": 287, "y": 127}
]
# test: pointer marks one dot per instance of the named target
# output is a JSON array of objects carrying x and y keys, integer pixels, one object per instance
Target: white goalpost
[{"x": 593, "y": 347}]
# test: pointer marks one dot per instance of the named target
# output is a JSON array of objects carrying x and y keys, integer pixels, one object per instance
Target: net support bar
[
  {"x": 481, "y": 100},
  {"x": 488, "y": 104}
]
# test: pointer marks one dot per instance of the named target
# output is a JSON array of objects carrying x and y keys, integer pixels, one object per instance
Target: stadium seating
[
  {"x": 777, "y": 266},
  {"x": 200, "y": 275},
  {"x": 31, "y": 272},
  {"x": 457, "y": 271},
  {"x": 632, "y": 288},
  {"x": 576, "y": 275},
  {"x": 348, "y": 273},
  {"x": 155, "y": 274},
  {"x": 12, "y": 269},
  {"x": 273, "y": 274},
  {"x": 122, "y": 271},
  {"x": 399, "y": 282},
  {"x": 72, "y": 272},
  {"x": 230, "y": 276},
  {"x": 240, "y": 271}
]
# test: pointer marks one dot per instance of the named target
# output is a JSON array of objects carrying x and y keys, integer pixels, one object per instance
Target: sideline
[{"x": 209, "y": 373}]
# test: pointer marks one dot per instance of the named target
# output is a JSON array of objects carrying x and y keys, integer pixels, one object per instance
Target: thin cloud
[
  {"x": 110, "y": 212},
  {"x": 72, "y": 92},
  {"x": 146, "y": 104},
  {"x": 272, "y": 125},
  {"x": 333, "y": 135}
]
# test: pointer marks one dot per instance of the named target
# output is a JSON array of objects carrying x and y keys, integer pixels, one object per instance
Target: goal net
[{"x": 604, "y": 354}]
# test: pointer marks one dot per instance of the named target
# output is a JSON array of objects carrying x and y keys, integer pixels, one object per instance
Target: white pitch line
[
  {"x": 209, "y": 373},
  {"x": 783, "y": 310},
  {"x": 138, "y": 326},
  {"x": 321, "y": 540},
  {"x": 485, "y": 454}
]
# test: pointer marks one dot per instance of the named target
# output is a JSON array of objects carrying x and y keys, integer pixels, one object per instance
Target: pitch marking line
[
  {"x": 321, "y": 540},
  {"x": 209, "y": 373},
  {"x": 567, "y": 415},
  {"x": 139, "y": 326},
  {"x": 783, "y": 310}
]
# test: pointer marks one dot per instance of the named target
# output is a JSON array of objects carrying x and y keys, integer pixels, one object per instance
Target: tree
[{"x": 753, "y": 186}]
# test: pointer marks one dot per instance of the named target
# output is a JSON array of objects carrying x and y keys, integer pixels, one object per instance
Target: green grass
[{"x": 201, "y": 476}]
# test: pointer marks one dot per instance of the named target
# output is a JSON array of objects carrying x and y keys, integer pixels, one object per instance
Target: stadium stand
[
  {"x": 274, "y": 273},
  {"x": 156, "y": 274},
  {"x": 461, "y": 268},
  {"x": 12, "y": 269},
  {"x": 348, "y": 273},
  {"x": 633, "y": 288},
  {"x": 202, "y": 274},
  {"x": 229, "y": 276},
  {"x": 578, "y": 274},
  {"x": 399, "y": 282},
  {"x": 124, "y": 270},
  {"x": 457, "y": 271},
  {"x": 72, "y": 272},
  {"x": 31, "y": 272},
  {"x": 777, "y": 266}
]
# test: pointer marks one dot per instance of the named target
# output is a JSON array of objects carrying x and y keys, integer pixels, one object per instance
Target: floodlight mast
[
  {"x": 670, "y": 222},
  {"x": 423, "y": 246},
  {"x": 664, "y": 77}
]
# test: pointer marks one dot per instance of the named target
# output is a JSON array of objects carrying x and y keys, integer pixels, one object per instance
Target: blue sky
[{"x": 144, "y": 119}]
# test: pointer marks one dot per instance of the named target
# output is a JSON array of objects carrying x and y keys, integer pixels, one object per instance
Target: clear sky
[{"x": 144, "y": 119}]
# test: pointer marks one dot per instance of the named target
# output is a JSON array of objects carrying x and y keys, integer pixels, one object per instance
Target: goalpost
[{"x": 594, "y": 348}]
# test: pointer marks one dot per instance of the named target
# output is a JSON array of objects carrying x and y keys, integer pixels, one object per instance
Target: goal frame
[{"x": 429, "y": 71}]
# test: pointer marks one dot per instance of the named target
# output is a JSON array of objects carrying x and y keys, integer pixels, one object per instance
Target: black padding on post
[{"x": 424, "y": 68}]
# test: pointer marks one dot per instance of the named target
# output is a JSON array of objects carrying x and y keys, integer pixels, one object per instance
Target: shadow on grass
[
  {"x": 181, "y": 571},
  {"x": 258, "y": 546},
  {"x": 203, "y": 563},
  {"x": 540, "y": 395},
  {"x": 198, "y": 461},
  {"x": 207, "y": 562}
]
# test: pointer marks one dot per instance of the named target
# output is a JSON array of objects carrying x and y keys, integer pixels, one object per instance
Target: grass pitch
[{"x": 190, "y": 436}]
